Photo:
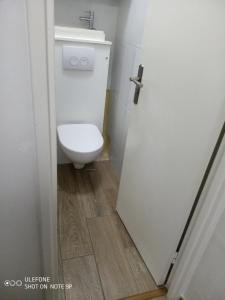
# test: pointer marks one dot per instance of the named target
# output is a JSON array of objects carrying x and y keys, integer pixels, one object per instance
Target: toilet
[
  {"x": 82, "y": 143},
  {"x": 81, "y": 80}
]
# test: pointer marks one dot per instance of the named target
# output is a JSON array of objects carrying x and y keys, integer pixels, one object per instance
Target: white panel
[{"x": 78, "y": 58}]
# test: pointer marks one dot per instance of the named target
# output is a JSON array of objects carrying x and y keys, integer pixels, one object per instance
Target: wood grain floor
[
  {"x": 98, "y": 256},
  {"x": 82, "y": 273},
  {"x": 154, "y": 294}
]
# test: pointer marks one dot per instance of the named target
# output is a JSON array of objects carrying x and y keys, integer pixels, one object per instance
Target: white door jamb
[{"x": 209, "y": 216}]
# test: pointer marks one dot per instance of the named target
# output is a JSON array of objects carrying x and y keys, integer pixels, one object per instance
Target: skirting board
[{"x": 148, "y": 295}]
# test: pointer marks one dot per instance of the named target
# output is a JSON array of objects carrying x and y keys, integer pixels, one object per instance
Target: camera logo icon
[
  {"x": 13, "y": 283},
  {"x": 7, "y": 283}
]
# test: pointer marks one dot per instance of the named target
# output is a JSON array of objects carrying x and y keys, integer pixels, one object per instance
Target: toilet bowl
[{"x": 82, "y": 143}]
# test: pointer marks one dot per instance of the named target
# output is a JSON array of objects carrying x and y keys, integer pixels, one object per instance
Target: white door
[{"x": 174, "y": 127}]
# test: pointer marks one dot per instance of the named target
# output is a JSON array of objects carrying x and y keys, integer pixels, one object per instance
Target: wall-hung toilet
[
  {"x": 81, "y": 74},
  {"x": 82, "y": 143}
]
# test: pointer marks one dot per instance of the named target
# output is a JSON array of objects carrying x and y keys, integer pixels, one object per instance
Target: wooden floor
[{"x": 97, "y": 255}]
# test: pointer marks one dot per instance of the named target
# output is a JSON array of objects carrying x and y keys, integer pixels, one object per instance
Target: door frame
[
  {"x": 41, "y": 40},
  {"x": 208, "y": 217},
  {"x": 40, "y": 23}
]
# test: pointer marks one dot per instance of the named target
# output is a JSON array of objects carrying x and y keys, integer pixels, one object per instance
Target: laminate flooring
[{"x": 97, "y": 254}]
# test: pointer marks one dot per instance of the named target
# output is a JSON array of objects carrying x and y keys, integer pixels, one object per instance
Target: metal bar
[{"x": 138, "y": 82}]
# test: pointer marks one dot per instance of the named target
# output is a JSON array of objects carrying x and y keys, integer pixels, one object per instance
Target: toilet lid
[{"x": 80, "y": 137}]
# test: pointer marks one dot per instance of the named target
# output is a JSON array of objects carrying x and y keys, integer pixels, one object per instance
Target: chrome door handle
[{"x": 137, "y": 80}]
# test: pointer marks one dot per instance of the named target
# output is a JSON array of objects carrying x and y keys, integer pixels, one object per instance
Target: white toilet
[
  {"x": 82, "y": 143},
  {"x": 81, "y": 76}
]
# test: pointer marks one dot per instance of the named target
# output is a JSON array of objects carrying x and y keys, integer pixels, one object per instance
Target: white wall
[
  {"x": 67, "y": 12},
  {"x": 129, "y": 32},
  {"x": 209, "y": 278},
  {"x": 20, "y": 251}
]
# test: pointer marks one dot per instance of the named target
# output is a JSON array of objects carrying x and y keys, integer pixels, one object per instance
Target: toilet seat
[{"x": 80, "y": 138}]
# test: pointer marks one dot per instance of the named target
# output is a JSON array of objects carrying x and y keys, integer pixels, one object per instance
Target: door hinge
[{"x": 174, "y": 258}]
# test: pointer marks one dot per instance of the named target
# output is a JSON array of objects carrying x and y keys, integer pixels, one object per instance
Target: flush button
[
  {"x": 84, "y": 61},
  {"x": 74, "y": 61},
  {"x": 78, "y": 58}
]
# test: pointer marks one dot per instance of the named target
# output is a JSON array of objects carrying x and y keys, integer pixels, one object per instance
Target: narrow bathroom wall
[
  {"x": 129, "y": 33},
  {"x": 21, "y": 253},
  {"x": 67, "y": 13}
]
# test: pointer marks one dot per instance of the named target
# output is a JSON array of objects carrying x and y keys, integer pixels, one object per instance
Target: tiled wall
[{"x": 127, "y": 45}]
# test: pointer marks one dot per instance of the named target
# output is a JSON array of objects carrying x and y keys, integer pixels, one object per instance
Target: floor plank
[
  {"x": 154, "y": 294},
  {"x": 108, "y": 174},
  {"x": 74, "y": 235},
  {"x": 66, "y": 180},
  {"x": 114, "y": 268},
  {"x": 82, "y": 273},
  {"x": 96, "y": 185},
  {"x": 103, "y": 193},
  {"x": 125, "y": 237},
  {"x": 90, "y": 227},
  {"x": 143, "y": 279},
  {"x": 85, "y": 193}
]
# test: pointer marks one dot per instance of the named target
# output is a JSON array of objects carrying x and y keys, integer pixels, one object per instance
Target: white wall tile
[{"x": 130, "y": 28}]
